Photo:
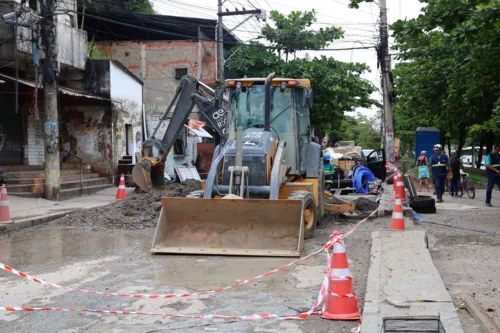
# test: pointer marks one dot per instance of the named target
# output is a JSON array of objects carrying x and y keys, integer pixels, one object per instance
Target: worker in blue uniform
[
  {"x": 329, "y": 171},
  {"x": 493, "y": 172},
  {"x": 438, "y": 165}
]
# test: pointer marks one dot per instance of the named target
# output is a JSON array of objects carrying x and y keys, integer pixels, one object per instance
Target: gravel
[{"x": 140, "y": 211}]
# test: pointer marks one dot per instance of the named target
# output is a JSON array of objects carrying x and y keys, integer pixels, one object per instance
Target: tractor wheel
[{"x": 309, "y": 211}]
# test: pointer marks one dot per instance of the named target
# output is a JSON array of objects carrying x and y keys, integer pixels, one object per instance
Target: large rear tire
[{"x": 309, "y": 209}]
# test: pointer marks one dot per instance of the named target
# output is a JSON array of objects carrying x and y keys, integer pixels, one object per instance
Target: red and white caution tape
[
  {"x": 199, "y": 316},
  {"x": 304, "y": 315},
  {"x": 327, "y": 246}
]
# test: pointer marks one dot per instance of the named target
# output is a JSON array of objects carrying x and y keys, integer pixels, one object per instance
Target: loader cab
[{"x": 291, "y": 101}]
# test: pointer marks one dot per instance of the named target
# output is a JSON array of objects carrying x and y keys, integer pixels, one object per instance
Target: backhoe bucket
[
  {"x": 230, "y": 227},
  {"x": 147, "y": 176}
]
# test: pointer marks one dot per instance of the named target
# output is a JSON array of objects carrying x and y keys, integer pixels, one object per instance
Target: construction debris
[{"x": 137, "y": 212}]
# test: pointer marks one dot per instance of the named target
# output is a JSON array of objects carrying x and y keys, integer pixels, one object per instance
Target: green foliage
[
  {"x": 355, "y": 3},
  {"x": 136, "y": 6},
  {"x": 338, "y": 86},
  {"x": 94, "y": 52},
  {"x": 292, "y": 33},
  {"x": 359, "y": 129},
  {"x": 449, "y": 76},
  {"x": 141, "y": 6}
]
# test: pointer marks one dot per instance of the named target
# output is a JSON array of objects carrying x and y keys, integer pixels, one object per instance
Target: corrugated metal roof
[{"x": 64, "y": 90}]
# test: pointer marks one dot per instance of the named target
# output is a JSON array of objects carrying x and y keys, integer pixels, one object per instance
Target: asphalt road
[{"x": 119, "y": 261}]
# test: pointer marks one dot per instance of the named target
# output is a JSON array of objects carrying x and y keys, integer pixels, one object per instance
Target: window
[
  {"x": 180, "y": 72},
  {"x": 250, "y": 107}
]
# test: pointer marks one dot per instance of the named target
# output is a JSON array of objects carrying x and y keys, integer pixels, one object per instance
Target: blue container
[{"x": 425, "y": 139}]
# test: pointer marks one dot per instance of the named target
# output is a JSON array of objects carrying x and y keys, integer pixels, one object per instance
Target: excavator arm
[{"x": 148, "y": 173}]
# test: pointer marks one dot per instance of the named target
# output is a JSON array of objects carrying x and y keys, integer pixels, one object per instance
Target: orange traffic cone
[
  {"x": 396, "y": 177},
  {"x": 398, "y": 220},
  {"x": 122, "y": 191},
  {"x": 342, "y": 303},
  {"x": 400, "y": 188},
  {"x": 4, "y": 206}
]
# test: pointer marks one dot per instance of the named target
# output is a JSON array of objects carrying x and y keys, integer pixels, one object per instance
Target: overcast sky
[{"x": 360, "y": 26}]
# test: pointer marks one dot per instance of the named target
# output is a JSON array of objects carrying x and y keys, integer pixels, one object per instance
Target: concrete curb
[
  {"x": 401, "y": 269},
  {"x": 30, "y": 222}
]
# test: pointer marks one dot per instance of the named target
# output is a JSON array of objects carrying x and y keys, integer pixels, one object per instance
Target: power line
[{"x": 203, "y": 39}]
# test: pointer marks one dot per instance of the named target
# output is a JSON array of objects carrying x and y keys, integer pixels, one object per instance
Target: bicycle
[{"x": 463, "y": 185}]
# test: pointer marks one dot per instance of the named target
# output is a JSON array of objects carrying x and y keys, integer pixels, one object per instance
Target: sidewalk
[
  {"x": 26, "y": 212},
  {"x": 403, "y": 281}
]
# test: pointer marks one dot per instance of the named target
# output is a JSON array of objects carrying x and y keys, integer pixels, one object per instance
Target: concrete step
[
  {"x": 13, "y": 168},
  {"x": 71, "y": 166},
  {"x": 75, "y": 192},
  {"x": 27, "y": 194},
  {"x": 37, "y": 184},
  {"x": 124, "y": 162},
  {"x": 41, "y": 173},
  {"x": 86, "y": 183},
  {"x": 65, "y": 178}
]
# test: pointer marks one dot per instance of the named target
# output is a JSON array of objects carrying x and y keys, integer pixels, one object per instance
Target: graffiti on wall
[{"x": 86, "y": 132}]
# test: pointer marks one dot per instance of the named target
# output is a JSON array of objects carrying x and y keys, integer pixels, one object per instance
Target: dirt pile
[
  {"x": 137, "y": 212},
  {"x": 366, "y": 206}
]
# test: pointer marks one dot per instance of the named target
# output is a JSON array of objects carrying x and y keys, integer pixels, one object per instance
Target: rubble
[{"x": 140, "y": 211}]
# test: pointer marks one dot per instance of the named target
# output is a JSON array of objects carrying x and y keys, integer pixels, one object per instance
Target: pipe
[
  {"x": 261, "y": 191},
  {"x": 267, "y": 103}
]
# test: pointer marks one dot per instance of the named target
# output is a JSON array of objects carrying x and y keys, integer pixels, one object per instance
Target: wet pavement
[{"x": 119, "y": 261}]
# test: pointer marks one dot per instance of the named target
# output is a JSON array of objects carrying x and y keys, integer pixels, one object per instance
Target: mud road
[
  {"x": 82, "y": 253},
  {"x": 468, "y": 261}
]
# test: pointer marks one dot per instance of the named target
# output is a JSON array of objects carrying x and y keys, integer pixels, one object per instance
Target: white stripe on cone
[
  {"x": 397, "y": 215},
  {"x": 338, "y": 248},
  {"x": 341, "y": 272}
]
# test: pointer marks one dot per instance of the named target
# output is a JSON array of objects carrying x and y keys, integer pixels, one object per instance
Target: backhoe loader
[{"x": 264, "y": 191}]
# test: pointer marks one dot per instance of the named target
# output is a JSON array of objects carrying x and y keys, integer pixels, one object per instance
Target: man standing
[
  {"x": 455, "y": 165},
  {"x": 493, "y": 172},
  {"x": 438, "y": 165},
  {"x": 329, "y": 171}
]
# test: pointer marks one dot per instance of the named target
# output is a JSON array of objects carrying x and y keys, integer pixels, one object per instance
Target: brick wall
[{"x": 155, "y": 64}]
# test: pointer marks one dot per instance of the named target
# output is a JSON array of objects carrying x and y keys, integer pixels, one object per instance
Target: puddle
[
  {"x": 199, "y": 274},
  {"x": 40, "y": 245}
]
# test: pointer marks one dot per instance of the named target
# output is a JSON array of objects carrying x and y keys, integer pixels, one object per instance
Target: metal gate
[{"x": 11, "y": 135}]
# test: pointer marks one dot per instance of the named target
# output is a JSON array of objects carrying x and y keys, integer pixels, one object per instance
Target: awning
[
  {"x": 199, "y": 132},
  {"x": 63, "y": 90}
]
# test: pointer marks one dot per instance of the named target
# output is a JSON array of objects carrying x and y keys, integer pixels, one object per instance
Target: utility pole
[
  {"x": 50, "y": 105},
  {"x": 220, "y": 42},
  {"x": 385, "y": 64},
  {"x": 220, "y": 31}
]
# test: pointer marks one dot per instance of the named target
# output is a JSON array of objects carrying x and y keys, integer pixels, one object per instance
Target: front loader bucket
[{"x": 230, "y": 227}]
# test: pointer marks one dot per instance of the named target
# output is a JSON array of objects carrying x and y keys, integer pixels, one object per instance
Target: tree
[
  {"x": 292, "y": 33},
  {"x": 338, "y": 86},
  {"x": 449, "y": 77},
  {"x": 359, "y": 129},
  {"x": 102, "y": 6}
]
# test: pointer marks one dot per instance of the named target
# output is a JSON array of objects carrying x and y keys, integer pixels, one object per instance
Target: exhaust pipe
[{"x": 267, "y": 102}]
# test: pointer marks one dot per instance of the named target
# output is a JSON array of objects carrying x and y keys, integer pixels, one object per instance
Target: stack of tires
[{"x": 419, "y": 203}]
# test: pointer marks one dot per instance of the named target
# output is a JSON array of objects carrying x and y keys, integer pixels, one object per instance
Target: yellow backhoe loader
[{"x": 264, "y": 192}]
